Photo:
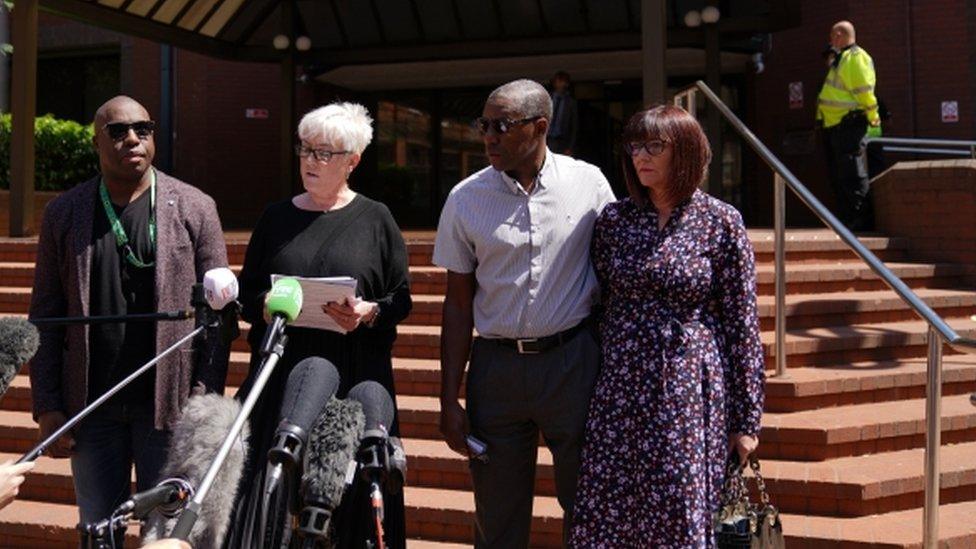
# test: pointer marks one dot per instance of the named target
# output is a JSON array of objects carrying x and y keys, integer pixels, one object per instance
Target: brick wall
[
  {"x": 923, "y": 53},
  {"x": 932, "y": 204}
]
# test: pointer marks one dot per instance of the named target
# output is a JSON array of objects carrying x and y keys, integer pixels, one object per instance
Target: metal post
[
  {"x": 779, "y": 246},
  {"x": 23, "y": 106},
  {"x": 713, "y": 118},
  {"x": 654, "y": 43},
  {"x": 933, "y": 440}
]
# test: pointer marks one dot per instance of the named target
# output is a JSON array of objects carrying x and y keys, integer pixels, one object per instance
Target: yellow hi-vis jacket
[{"x": 849, "y": 86}]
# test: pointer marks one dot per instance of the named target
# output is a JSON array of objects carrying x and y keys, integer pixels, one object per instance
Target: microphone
[
  {"x": 196, "y": 439},
  {"x": 330, "y": 462},
  {"x": 169, "y": 497},
  {"x": 220, "y": 288},
  {"x": 374, "y": 453},
  {"x": 18, "y": 343},
  {"x": 310, "y": 385},
  {"x": 284, "y": 304}
]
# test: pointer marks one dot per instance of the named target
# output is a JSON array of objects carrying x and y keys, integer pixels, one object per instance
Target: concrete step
[
  {"x": 862, "y": 307},
  {"x": 861, "y": 429},
  {"x": 801, "y": 278},
  {"x": 837, "y": 344},
  {"x": 844, "y": 344},
  {"x": 845, "y": 276},
  {"x": 899, "y": 529},
  {"x": 819, "y": 245},
  {"x": 869, "y": 484},
  {"x": 801, "y": 245},
  {"x": 424, "y": 280},
  {"x": 808, "y": 388},
  {"x": 33, "y": 524}
]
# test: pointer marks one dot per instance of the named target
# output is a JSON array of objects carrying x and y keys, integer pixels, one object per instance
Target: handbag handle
[
  {"x": 760, "y": 481},
  {"x": 736, "y": 488}
]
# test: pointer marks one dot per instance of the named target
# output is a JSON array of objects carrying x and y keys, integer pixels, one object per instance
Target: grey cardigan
[{"x": 189, "y": 242}]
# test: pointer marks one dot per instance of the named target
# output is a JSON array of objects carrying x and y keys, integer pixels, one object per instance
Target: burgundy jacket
[{"x": 189, "y": 242}]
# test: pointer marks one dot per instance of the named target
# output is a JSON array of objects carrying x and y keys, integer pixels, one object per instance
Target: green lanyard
[{"x": 120, "y": 237}]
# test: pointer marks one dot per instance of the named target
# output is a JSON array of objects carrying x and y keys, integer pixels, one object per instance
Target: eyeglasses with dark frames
[
  {"x": 118, "y": 131},
  {"x": 653, "y": 148},
  {"x": 502, "y": 125},
  {"x": 322, "y": 155}
]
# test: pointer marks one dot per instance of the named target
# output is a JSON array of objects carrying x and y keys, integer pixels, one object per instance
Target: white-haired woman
[{"x": 329, "y": 230}]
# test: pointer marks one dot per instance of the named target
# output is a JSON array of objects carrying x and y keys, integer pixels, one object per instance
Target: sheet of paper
[{"x": 317, "y": 292}]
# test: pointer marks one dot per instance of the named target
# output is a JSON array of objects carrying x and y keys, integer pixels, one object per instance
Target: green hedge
[{"x": 64, "y": 155}]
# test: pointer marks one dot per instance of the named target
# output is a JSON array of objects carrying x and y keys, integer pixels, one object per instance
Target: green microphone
[{"x": 283, "y": 305}]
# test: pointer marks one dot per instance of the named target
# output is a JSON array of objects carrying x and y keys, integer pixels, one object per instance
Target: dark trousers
[
  {"x": 850, "y": 182},
  {"x": 511, "y": 398},
  {"x": 107, "y": 444}
]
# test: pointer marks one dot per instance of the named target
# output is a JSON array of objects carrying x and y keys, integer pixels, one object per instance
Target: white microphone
[{"x": 220, "y": 288}]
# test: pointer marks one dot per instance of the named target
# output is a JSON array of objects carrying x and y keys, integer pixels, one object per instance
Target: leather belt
[{"x": 536, "y": 345}]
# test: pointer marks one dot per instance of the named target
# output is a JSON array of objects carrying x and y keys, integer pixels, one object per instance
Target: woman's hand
[
  {"x": 350, "y": 314},
  {"x": 11, "y": 477},
  {"x": 743, "y": 445}
]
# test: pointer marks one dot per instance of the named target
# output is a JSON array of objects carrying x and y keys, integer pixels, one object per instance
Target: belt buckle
[{"x": 519, "y": 344}]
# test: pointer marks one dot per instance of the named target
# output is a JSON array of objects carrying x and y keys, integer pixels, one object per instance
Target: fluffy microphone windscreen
[
  {"x": 310, "y": 385},
  {"x": 331, "y": 446},
  {"x": 377, "y": 404},
  {"x": 197, "y": 437},
  {"x": 18, "y": 343}
]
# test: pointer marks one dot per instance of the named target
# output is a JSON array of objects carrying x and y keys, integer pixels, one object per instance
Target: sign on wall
[
  {"x": 256, "y": 113},
  {"x": 950, "y": 111},
  {"x": 796, "y": 95}
]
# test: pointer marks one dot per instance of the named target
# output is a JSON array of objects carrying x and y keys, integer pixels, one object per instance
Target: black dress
[{"x": 360, "y": 240}]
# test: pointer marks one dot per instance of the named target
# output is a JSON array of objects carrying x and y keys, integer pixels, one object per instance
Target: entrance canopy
[
  {"x": 351, "y": 32},
  {"x": 326, "y": 36}
]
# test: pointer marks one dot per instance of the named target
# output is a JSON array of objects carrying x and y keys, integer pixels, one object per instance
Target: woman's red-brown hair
[{"x": 689, "y": 157}]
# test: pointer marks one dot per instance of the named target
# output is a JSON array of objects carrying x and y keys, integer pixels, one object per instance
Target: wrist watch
[{"x": 371, "y": 321}]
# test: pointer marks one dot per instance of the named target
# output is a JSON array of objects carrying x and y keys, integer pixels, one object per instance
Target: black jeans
[{"x": 850, "y": 185}]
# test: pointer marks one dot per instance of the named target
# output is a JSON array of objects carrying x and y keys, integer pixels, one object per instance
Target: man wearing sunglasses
[
  {"x": 129, "y": 240},
  {"x": 515, "y": 239}
]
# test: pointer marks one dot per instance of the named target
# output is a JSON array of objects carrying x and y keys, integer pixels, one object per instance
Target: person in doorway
[
  {"x": 515, "y": 240},
  {"x": 565, "y": 116}
]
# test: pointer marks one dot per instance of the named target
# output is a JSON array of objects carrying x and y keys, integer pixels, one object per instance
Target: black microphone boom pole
[
  {"x": 39, "y": 449},
  {"x": 104, "y": 319}
]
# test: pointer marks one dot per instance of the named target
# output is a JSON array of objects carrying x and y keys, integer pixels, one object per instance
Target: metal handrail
[
  {"x": 923, "y": 145},
  {"x": 938, "y": 330}
]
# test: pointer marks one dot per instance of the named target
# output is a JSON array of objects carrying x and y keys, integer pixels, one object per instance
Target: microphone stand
[
  {"x": 39, "y": 449},
  {"x": 192, "y": 511},
  {"x": 141, "y": 317}
]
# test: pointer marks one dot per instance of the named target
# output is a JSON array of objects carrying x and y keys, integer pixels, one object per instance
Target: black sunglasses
[
  {"x": 119, "y": 130},
  {"x": 653, "y": 148},
  {"x": 501, "y": 125}
]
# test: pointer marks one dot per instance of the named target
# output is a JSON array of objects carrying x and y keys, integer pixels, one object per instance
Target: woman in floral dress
[{"x": 682, "y": 380}]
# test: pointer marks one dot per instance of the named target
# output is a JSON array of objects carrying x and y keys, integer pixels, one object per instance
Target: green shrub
[{"x": 64, "y": 155}]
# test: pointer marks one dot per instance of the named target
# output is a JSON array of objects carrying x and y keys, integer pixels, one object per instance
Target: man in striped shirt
[{"x": 515, "y": 239}]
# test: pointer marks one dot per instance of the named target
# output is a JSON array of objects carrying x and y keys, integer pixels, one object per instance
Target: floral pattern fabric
[{"x": 682, "y": 369}]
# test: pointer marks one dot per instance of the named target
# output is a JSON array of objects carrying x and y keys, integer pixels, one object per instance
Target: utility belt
[{"x": 854, "y": 118}]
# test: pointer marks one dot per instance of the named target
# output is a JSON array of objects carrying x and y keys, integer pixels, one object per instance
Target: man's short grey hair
[
  {"x": 528, "y": 97},
  {"x": 347, "y": 126}
]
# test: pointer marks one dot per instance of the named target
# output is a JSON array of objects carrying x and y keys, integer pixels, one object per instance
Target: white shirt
[{"x": 530, "y": 252}]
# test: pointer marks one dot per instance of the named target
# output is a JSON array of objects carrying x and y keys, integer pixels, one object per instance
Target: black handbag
[{"x": 741, "y": 524}]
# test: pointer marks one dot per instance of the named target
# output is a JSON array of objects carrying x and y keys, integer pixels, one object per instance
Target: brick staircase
[{"x": 843, "y": 437}]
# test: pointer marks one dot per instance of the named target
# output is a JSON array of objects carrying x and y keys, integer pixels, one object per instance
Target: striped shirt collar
[{"x": 540, "y": 179}]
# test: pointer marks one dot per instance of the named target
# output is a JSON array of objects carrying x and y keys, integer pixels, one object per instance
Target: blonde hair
[{"x": 345, "y": 125}]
